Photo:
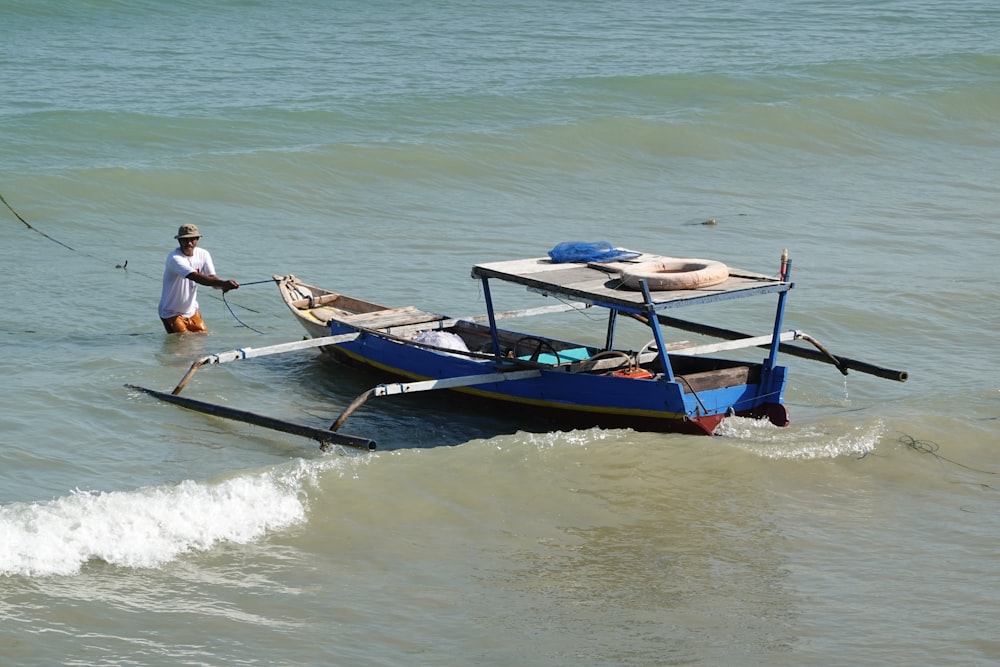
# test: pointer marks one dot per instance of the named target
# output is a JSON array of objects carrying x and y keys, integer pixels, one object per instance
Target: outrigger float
[{"x": 661, "y": 386}]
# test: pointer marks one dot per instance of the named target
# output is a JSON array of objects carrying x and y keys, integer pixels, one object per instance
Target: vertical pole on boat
[
  {"x": 609, "y": 342},
  {"x": 786, "y": 269},
  {"x": 492, "y": 317},
  {"x": 654, "y": 324}
]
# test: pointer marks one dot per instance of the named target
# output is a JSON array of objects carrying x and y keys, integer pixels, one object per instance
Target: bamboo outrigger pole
[{"x": 324, "y": 436}]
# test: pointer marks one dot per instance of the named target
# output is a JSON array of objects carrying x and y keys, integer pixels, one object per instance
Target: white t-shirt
[{"x": 180, "y": 295}]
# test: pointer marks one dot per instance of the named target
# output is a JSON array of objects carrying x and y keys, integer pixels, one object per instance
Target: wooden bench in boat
[
  {"x": 718, "y": 379},
  {"x": 390, "y": 317}
]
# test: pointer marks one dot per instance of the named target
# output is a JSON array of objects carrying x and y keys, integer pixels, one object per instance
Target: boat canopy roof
[{"x": 600, "y": 284}]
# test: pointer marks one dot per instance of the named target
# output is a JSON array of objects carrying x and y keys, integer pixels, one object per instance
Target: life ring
[{"x": 669, "y": 273}]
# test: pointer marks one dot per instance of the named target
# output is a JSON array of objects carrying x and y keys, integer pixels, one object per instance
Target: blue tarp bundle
[{"x": 578, "y": 251}]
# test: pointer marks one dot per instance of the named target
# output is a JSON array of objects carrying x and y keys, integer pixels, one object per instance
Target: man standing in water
[{"x": 187, "y": 267}]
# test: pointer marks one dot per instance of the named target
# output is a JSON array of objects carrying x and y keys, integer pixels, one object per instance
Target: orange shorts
[{"x": 181, "y": 324}]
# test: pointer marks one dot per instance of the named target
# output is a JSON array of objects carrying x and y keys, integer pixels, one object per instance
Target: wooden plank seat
[
  {"x": 719, "y": 379},
  {"x": 391, "y": 317}
]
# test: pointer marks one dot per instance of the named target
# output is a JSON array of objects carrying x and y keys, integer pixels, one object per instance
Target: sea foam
[{"x": 150, "y": 526}]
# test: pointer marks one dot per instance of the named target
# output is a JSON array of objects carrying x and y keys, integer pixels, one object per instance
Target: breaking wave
[
  {"x": 150, "y": 526},
  {"x": 813, "y": 441}
]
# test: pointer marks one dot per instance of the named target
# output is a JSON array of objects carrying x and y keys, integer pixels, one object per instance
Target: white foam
[
  {"x": 150, "y": 526},
  {"x": 816, "y": 441}
]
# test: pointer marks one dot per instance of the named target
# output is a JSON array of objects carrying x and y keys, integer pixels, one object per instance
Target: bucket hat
[{"x": 188, "y": 231}]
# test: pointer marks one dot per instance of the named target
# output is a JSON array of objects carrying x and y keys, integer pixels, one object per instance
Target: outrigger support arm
[
  {"x": 394, "y": 388},
  {"x": 843, "y": 364},
  {"x": 740, "y": 343},
  {"x": 249, "y": 352},
  {"x": 324, "y": 436}
]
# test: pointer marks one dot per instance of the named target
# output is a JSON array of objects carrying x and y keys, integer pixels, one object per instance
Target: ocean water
[{"x": 383, "y": 148}]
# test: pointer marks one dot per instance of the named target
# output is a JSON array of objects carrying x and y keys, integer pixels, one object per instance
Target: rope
[
  {"x": 18, "y": 216},
  {"x": 235, "y": 317},
  {"x": 124, "y": 265},
  {"x": 929, "y": 447}
]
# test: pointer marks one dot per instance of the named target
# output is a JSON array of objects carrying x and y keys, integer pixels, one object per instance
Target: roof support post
[
  {"x": 779, "y": 315},
  {"x": 609, "y": 342},
  {"x": 497, "y": 352},
  {"x": 654, "y": 324}
]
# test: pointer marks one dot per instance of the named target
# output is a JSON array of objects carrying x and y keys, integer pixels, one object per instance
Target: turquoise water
[{"x": 382, "y": 149}]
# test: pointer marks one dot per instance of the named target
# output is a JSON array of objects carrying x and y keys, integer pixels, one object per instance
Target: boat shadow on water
[{"x": 414, "y": 421}]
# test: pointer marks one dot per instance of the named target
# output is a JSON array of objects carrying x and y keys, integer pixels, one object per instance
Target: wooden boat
[{"x": 659, "y": 386}]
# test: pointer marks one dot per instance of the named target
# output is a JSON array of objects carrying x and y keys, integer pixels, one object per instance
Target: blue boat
[{"x": 663, "y": 385}]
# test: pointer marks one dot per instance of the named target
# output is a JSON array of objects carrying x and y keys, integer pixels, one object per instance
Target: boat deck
[{"x": 600, "y": 283}]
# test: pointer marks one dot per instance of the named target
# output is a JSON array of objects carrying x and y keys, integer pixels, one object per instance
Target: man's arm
[{"x": 213, "y": 281}]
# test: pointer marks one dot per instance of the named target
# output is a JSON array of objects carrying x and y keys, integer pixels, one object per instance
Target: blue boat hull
[{"x": 576, "y": 399}]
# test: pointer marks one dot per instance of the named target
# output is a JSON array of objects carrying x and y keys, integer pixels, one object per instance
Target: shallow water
[{"x": 382, "y": 150}]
